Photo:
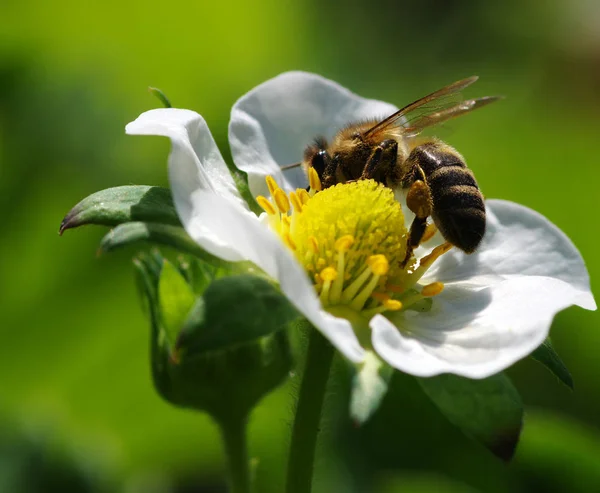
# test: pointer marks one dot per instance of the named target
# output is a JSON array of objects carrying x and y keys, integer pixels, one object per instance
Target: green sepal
[
  {"x": 547, "y": 356},
  {"x": 147, "y": 276},
  {"x": 235, "y": 310},
  {"x": 218, "y": 373},
  {"x": 160, "y": 234},
  {"x": 176, "y": 298},
  {"x": 369, "y": 386},
  {"x": 155, "y": 91},
  {"x": 118, "y": 205},
  {"x": 489, "y": 410},
  {"x": 199, "y": 274}
]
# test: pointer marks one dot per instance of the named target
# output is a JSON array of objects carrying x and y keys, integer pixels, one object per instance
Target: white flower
[{"x": 497, "y": 304}]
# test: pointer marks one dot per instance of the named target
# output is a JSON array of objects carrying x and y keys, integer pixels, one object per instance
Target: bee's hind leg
[
  {"x": 418, "y": 200},
  {"x": 382, "y": 161},
  {"x": 415, "y": 234}
]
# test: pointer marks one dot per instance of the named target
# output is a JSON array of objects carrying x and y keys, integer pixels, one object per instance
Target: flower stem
[
  {"x": 233, "y": 432},
  {"x": 319, "y": 356}
]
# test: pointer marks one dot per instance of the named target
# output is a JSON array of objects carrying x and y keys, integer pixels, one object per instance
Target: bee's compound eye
[{"x": 319, "y": 161}]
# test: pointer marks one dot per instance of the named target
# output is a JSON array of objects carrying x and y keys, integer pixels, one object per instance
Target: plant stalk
[
  {"x": 235, "y": 442},
  {"x": 306, "y": 427}
]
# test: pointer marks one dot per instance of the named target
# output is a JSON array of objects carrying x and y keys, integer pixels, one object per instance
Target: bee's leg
[
  {"x": 418, "y": 200},
  {"x": 382, "y": 161},
  {"x": 417, "y": 230}
]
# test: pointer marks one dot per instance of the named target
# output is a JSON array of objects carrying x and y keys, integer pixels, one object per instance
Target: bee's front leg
[{"x": 382, "y": 162}]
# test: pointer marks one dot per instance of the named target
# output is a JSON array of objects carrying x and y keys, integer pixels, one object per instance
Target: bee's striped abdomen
[{"x": 458, "y": 206}]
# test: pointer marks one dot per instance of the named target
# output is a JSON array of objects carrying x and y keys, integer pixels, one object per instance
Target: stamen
[
  {"x": 289, "y": 241},
  {"x": 430, "y": 231},
  {"x": 426, "y": 262},
  {"x": 314, "y": 180},
  {"x": 265, "y": 203},
  {"x": 378, "y": 264},
  {"x": 411, "y": 298},
  {"x": 328, "y": 275},
  {"x": 361, "y": 298},
  {"x": 393, "y": 305},
  {"x": 395, "y": 288},
  {"x": 432, "y": 289},
  {"x": 272, "y": 184},
  {"x": 351, "y": 290},
  {"x": 390, "y": 305},
  {"x": 296, "y": 202},
  {"x": 282, "y": 201},
  {"x": 342, "y": 245},
  {"x": 303, "y": 195},
  {"x": 313, "y": 244},
  {"x": 437, "y": 252},
  {"x": 380, "y": 297}
]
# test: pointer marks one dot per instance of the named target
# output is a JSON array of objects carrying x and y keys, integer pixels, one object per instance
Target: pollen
[{"x": 352, "y": 240}]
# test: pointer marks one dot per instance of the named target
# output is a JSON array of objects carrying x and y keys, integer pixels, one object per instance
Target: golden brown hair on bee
[{"x": 436, "y": 176}]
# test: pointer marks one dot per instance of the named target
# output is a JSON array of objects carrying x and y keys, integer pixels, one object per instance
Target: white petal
[
  {"x": 195, "y": 164},
  {"x": 473, "y": 333},
  {"x": 518, "y": 242},
  {"x": 255, "y": 243},
  {"x": 272, "y": 124}
]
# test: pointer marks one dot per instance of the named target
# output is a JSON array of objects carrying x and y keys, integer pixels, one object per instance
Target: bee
[{"x": 434, "y": 175}]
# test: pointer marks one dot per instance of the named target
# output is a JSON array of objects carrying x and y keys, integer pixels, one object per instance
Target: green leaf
[
  {"x": 162, "y": 234},
  {"x": 489, "y": 410},
  {"x": 235, "y": 310},
  {"x": 175, "y": 298},
  {"x": 119, "y": 205},
  {"x": 547, "y": 356},
  {"x": 369, "y": 386}
]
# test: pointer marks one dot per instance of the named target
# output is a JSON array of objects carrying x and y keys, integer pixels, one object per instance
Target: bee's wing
[
  {"x": 432, "y": 109},
  {"x": 416, "y": 125}
]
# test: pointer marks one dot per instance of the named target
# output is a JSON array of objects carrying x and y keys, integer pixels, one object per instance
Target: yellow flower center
[{"x": 351, "y": 238}]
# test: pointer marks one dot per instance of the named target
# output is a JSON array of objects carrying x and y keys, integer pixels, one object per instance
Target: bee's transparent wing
[
  {"x": 437, "y": 107},
  {"x": 417, "y": 124}
]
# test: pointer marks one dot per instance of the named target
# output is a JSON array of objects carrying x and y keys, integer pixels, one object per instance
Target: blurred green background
[{"x": 78, "y": 412}]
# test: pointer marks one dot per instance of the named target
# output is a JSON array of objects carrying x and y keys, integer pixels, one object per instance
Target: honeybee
[{"x": 435, "y": 175}]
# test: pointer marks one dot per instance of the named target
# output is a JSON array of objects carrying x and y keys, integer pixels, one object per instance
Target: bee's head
[{"x": 316, "y": 156}]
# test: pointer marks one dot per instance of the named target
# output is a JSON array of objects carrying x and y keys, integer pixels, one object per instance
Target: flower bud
[{"x": 220, "y": 350}]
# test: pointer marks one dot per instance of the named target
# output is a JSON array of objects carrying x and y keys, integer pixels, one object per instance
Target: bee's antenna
[{"x": 290, "y": 166}]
